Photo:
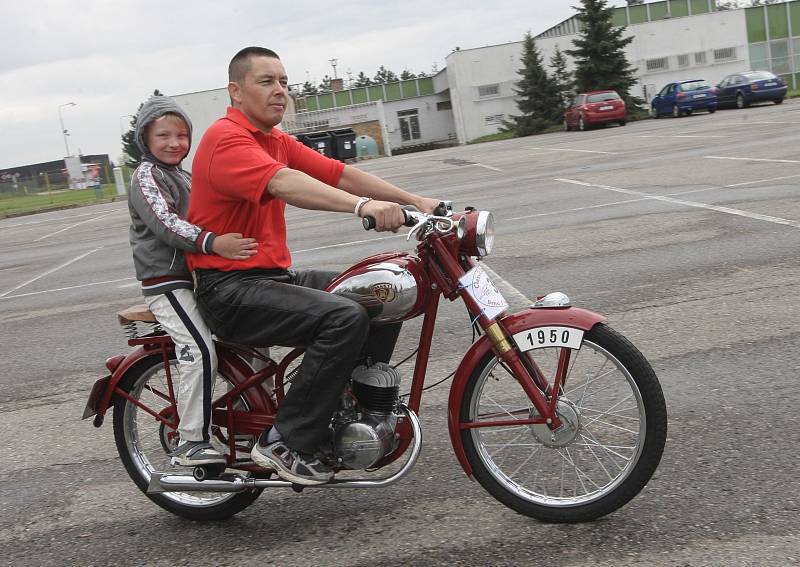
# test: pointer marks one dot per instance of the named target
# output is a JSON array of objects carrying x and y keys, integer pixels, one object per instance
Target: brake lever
[{"x": 420, "y": 223}]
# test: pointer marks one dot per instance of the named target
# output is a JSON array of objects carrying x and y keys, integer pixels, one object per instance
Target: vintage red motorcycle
[{"x": 557, "y": 416}]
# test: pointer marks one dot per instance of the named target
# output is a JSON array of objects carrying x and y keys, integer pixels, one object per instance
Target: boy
[{"x": 159, "y": 234}]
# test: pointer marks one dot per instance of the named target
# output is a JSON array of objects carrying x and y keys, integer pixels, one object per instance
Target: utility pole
[
  {"x": 61, "y": 121},
  {"x": 333, "y": 63}
]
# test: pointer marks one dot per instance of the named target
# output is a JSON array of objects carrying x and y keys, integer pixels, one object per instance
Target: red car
[{"x": 596, "y": 107}]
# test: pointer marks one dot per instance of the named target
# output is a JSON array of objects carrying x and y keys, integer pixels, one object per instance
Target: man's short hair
[{"x": 240, "y": 64}]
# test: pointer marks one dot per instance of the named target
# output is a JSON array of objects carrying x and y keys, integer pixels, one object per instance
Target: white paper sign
[{"x": 483, "y": 291}]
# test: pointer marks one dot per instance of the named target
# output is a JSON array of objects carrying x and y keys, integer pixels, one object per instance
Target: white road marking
[
  {"x": 487, "y": 167},
  {"x": 572, "y": 150},
  {"x": 727, "y": 210},
  {"x": 352, "y": 243},
  {"x": 48, "y": 272},
  {"x": 681, "y": 136},
  {"x": 762, "y": 180},
  {"x": 754, "y": 159},
  {"x": 71, "y": 226},
  {"x": 512, "y": 294},
  {"x": 34, "y": 222},
  {"x": 576, "y": 209},
  {"x": 69, "y": 287}
]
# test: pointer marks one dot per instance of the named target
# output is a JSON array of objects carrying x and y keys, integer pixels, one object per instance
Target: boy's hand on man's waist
[{"x": 233, "y": 247}]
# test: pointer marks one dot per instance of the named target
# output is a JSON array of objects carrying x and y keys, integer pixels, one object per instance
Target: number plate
[
  {"x": 542, "y": 337},
  {"x": 699, "y": 96},
  {"x": 772, "y": 84},
  {"x": 606, "y": 107}
]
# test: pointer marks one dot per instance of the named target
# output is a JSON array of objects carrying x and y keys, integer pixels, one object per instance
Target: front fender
[{"x": 516, "y": 323}]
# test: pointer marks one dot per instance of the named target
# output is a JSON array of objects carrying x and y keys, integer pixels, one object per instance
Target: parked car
[
  {"x": 684, "y": 98},
  {"x": 594, "y": 108},
  {"x": 741, "y": 89}
]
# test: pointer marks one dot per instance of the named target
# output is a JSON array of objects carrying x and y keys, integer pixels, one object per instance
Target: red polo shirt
[{"x": 231, "y": 169}]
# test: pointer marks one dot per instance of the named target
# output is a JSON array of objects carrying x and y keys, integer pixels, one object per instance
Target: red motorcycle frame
[{"x": 443, "y": 257}]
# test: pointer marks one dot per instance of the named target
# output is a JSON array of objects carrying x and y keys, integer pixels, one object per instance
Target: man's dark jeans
[{"x": 288, "y": 308}]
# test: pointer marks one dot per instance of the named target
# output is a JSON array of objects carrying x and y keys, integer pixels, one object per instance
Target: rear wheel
[
  {"x": 613, "y": 434},
  {"x": 740, "y": 102},
  {"x": 778, "y": 101},
  {"x": 144, "y": 443},
  {"x": 566, "y": 125},
  {"x": 581, "y": 124},
  {"x": 623, "y": 122},
  {"x": 676, "y": 112},
  {"x": 712, "y": 109}
]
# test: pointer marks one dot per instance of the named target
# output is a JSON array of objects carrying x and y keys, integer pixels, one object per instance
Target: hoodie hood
[{"x": 154, "y": 108}]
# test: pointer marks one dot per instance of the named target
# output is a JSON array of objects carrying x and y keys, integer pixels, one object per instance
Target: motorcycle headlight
[
  {"x": 475, "y": 229},
  {"x": 484, "y": 233}
]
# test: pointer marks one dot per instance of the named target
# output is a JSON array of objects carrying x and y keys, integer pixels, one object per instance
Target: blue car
[
  {"x": 741, "y": 89},
  {"x": 682, "y": 98}
]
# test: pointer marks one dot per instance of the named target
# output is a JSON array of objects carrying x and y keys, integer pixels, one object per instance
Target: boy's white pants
[{"x": 178, "y": 314}]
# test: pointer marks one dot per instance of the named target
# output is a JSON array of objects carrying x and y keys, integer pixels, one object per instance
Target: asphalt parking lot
[{"x": 684, "y": 232}]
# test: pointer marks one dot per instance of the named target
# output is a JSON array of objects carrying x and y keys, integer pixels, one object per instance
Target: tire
[
  {"x": 740, "y": 102},
  {"x": 566, "y": 125},
  {"x": 778, "y": 101},
  {"x": 711, "y": 110},
  {"x": 676, "y": 112},
  {"x": 688, "y": 112},
  {"x": 654, "y": 112},
  {"x": 623, "y": 122},
  {"x": 143, "y": 445},
  {"x": 620, "y": 426},
  {"x": 581, "y": 124}
]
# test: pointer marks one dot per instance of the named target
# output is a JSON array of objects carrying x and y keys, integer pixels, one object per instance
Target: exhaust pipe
[{"x": 161, "y": 482}]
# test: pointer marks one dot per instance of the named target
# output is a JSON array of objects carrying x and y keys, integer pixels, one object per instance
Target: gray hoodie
[{"x": 158, "y": 201}]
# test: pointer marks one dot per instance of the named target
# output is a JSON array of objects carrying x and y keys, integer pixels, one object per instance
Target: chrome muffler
[{"x": 233, "y": 482}]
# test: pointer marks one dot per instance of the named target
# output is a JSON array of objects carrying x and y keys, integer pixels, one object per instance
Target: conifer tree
[
  {"x": 308, "y": 88},
  {"x": 562, "y": 78},
  {"x": 130, "y": 149},
  {"x": 384, "y": 75},
  {"x": 599, "y": 54},
  {"x": 537, "y": 97},
  {"x": 362, "y": 80}
]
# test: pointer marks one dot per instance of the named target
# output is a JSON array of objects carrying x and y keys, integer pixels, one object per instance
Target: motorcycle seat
[{"x": 136, "y": 313}]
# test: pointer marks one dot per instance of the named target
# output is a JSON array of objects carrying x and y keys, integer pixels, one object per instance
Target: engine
[{"x": 364, "y": 426}]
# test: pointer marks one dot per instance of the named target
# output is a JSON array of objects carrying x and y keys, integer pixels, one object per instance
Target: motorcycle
[{"x": 555, "y": 414}]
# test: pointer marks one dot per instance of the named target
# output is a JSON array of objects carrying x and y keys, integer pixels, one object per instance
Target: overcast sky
[{"x": 108, "y": 56}]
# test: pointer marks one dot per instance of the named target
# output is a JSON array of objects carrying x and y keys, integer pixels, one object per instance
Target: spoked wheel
[
  {"x": 614, "y": 429},
  {"x": 144, "y": 443}
]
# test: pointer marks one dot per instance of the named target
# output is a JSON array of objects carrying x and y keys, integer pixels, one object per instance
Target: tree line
[
  {"x": 600, "y": 64},
  {"x": 381, "y": 77}
]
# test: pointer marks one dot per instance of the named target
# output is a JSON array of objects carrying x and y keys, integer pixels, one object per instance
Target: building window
[
  {"x": 488, "y": 90},
  {"x": 409, "y": 124},
  {"x": 493, "y": 119},
  {"x": 444, "y": 105},
  {"x": 683, "y": 60},
  {"x": 725, "y": 54},
  {"x": 700, "y": 58},
  {"x": 660, "y": 64}
]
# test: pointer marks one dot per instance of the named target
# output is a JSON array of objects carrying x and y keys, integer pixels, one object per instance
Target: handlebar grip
[{"x": 368, "y": 222}]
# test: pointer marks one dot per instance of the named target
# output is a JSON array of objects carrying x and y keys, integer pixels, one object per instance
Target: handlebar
[{"x": 412, "y": 215}]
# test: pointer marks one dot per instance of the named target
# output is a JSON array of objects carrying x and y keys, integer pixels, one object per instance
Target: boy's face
[
  {"x": 168, "y": 139},
  {"x": 263, "y": 94}
]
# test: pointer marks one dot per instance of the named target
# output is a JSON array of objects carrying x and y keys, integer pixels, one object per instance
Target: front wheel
[
  {"x": 740, "y": 102},
  {"x": 676, "y": 112},
  {"x": 712, "y": 109},
  {"x": 778, "y": 101},
  {"x": 144, "y": 443},
  {"x": 613, "y": 434},
  {"x": 581, "y": 124}
]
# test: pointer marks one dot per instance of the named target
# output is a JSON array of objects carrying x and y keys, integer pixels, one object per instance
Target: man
[{"x": 244, "y": 173}]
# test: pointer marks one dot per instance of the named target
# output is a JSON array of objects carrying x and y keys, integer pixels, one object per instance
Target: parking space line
[
  {"x": 719, "y": 209},
  {"x": 572, "y": 150},
  {"x": 754, "y": 159},
  {"x": 762, "y": 180},
  {"x": 70, "y": 287},
  {"x": 48, "y": 272},
  {"x": 680, "y": 136},
  {"x": 71, "y": 226}
]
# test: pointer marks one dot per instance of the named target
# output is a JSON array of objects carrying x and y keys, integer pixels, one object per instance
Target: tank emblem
[{"x": 385, "y": 292}]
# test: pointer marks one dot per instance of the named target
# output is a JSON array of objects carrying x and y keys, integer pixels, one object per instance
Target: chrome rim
[
  {"x": 675, "y": 112},
  {"x": 603, "y": 412},
  {"x": 739, "y": 101},
  {"x": 581, "y": 124},
  {"x": 148, "y": 440}
]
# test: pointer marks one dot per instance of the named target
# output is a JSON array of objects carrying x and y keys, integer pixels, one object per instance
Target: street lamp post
[{"x": 61, "y": 120}]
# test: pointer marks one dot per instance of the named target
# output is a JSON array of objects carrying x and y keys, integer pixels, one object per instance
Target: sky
[{"x": 108, "y": 56}]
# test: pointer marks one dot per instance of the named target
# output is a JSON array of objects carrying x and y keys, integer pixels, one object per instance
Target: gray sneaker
[
  {"x": 291, "y": 465},
  {"x": 195, "y": 453}
]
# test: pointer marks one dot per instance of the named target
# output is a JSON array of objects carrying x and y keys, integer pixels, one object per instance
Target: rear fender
[{"x": 516, "y": 323}]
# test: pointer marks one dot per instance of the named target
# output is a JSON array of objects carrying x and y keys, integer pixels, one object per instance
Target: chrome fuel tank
[{"x": 392, "y": 287}]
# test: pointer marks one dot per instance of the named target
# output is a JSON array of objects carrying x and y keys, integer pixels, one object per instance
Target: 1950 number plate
[{"x": 542, "y": 337}]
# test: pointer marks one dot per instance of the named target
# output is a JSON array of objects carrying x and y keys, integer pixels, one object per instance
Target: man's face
[
  {"x": 263, "y": 93},
  {"x": 168, "y": 139}
]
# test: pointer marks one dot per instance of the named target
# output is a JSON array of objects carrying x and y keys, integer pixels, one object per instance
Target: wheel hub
[{"x": 570, "y": 426}]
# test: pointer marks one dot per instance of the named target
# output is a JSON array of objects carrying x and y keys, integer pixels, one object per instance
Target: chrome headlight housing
[{"x": 484, "y": 233}]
